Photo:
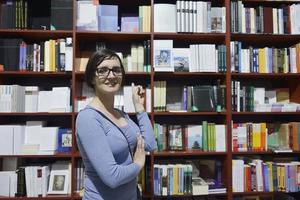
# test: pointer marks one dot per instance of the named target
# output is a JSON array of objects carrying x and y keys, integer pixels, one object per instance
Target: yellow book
[
  {"x": 263, "y": 127},
  {"x": 261, "y": 61},
  {"x": 270, "y": 169},
  {"x": 256, "y": 138},
  {"x": 175, "y": 180}
]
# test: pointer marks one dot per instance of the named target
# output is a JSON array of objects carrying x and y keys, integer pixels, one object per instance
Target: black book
[
  {"x": 38, "y": 14},
  {"x": 61, "y": 14},
  {"x": 203, "y": 98},
  {"x": 21, "y": 185},
  {"x": 42, "y": 55}
]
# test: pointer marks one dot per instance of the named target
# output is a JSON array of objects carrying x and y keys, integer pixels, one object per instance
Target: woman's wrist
[{"x": 139, "y": 108}]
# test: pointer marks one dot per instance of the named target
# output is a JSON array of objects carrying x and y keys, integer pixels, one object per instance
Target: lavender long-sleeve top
[{"x": 110, "y": 173}]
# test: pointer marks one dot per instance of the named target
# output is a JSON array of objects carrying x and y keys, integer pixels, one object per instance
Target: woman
[{"x": 112, "y": 146}]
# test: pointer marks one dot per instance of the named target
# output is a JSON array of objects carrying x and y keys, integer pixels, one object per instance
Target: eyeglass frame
[{"x": 109, "y": 70}]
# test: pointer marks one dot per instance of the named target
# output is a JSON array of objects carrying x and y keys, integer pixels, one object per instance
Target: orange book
[{"x": 293, "y": 133}]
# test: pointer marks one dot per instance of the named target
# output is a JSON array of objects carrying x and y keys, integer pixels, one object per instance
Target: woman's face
[{"x": 108, "y": 76}]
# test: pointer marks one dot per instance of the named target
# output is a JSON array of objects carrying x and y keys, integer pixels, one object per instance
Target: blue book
[
  {"x": 64, "y": 140},
  {"x": 107, "y": 18},
  {"x": 130, "y": 24}
]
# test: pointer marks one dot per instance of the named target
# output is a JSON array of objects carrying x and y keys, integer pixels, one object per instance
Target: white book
[
  {"x": 187, "y": 18},
  {"x": 194, "y": 16},
  {"x": 31, "y": 98},
  {"x": 45, "y": 137},
  {"x": 163, "y": 55},
  {"x": 182, "y": 16},
  {"x": 204, "y": 17},
  {"x": 293, "y": 66},
  {"x": 47, "y": 56},
  {"x": 242, "y": 138},
  {"x": 243, "y": 20},
  {"x": 128, "y": 103},
  {"x": 191, "y": 17},
  {"x": 45, "y": 179},
  {"x": 7, "y": 138},
  {"x": 69, "y": 54},
  {"x": 181, "y": 59},
  {"x": 199, "y": 7},
  {"x": 220, "y": 137},
  {"x": 148, "y": 100},
  {"x": 28, "y": 181},
  {"x": 275, "y": 21},
  {"x": 237, "y": 173},
  {"x": 60, "y": 99},
  {"x": 178, "y": 14},
  {"x": 86, "y": 16},
  {"x": 44, "y": 100},
  {"x": 259, "y": 96},
  {"x": 18, "y": 139},
  {"x": 280, "y": 20},
  {"x": 5, "y": 183},
  {"x": 165, "y": 18},
  {"x": 140, "y": 58}
]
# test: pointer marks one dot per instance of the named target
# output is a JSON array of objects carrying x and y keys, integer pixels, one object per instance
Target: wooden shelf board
[
  {"x": 36, "y": 34},
  {"x": 189, "y": 74},
  {"x": 35, "y": 74},
  {"x": 265, "y": 39},
  {"x": 36, "y": 114},
  {"x": 111, "y": 36},
  {"x": 264, "y": 153},
  {"x": 265, "y": 113},
  {"x": 59, "y": 155},
  {"x": 186, "y": 153},
  {"x": 266, "y": 75},
  {"x": 188, "y": 113},
  {"x": 56, "y": 197},
  {"x": 199, "y": 37}
]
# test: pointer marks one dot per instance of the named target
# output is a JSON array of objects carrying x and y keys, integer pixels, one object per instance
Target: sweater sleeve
[
  {"x": 92, "y": 140},
  {"x": 146, "y": 131}
]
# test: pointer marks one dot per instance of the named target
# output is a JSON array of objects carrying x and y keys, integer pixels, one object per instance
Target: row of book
[
  {"x": 182, "y": 98},
  {"x": 189, "y": 16},
  {"x": 80, "y": 173},
  {"x": 137, "y": 59},
  {"x": 99, "y": 17},
  {"x": 278, "y": 137},
  {"x": 264, "y": 60},
  {"x": 30, "y": 14},
  {"x": 205, "y": 137},
  {"x": 193, "y": 177},
  {"x": 16, "y": 98},
  {"x": 34, "y": 139},
  {"x": 260, "y": 99},
  {"x": 49, "y": 56},
  {"x": 172, "y": 179},
  {"x": 264, "y": 19},
  {"x": 37, "y": 180},
  {"x": 123, "y": 98},
  {"x": 266, "y": 176},
  {"x": 196, "y": 58}
]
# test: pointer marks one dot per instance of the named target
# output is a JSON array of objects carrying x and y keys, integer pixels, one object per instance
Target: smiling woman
[{"x": 107, "y": 137}]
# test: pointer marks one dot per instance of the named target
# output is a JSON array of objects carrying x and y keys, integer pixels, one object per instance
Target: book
[
  {"x": 203, "y": 99},
  {"x": 107, "y": 17},
  {"x": 129, "y": 24}
]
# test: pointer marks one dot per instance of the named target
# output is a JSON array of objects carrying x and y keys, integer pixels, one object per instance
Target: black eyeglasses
[{"x": 104, "y": 71}]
